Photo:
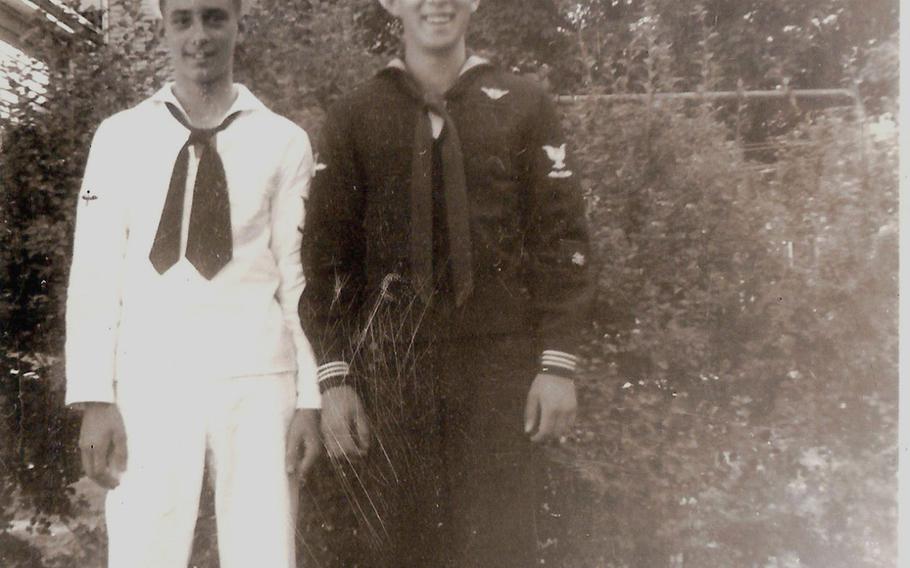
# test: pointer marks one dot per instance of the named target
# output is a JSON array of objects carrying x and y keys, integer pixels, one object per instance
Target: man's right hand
[
  {"x": 102, "y": 443},
  {"x": 345, "y": 427}
]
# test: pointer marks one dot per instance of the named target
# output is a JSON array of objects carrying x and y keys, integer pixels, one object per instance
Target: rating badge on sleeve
[{"x": 557, "y": 155}]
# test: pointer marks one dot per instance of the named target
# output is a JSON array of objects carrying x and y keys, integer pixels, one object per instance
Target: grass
[{"x": 653, "y": 477}]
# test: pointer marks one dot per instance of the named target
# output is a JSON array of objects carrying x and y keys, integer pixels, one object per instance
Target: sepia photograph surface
[{"x": 722, "y": 303}]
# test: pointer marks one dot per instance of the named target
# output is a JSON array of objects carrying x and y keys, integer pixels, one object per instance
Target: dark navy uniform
[{"x": 445, "y": 382}]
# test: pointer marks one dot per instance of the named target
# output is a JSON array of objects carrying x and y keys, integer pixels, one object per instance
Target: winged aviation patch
[
  {"x": 493, "y": 93},
  {"x": 88, "y": 196}
]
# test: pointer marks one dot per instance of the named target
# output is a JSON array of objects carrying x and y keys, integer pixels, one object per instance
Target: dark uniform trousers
[{"x": 451, "y": 477}]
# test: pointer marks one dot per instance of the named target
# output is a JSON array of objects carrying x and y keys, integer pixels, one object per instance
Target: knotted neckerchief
[
  {"x": 454, "y": 191},
  {"x": 209, "y": 244}
]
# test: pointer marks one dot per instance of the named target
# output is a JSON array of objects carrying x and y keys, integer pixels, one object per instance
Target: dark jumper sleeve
[
  {"x": 557, "y": 240},
  {"x": 333, "y": 249}
]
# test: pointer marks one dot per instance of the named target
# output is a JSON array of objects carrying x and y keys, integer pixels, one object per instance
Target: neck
[
  {"x": 436, "y": 72},
  {"x": 205, "y": 104}
]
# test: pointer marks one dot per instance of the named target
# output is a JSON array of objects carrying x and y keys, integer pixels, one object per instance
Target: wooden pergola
[{"x": 17, "y": 19}]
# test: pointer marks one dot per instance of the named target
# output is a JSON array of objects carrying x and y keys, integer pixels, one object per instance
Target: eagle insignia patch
[{"x": 557, "y": 154}]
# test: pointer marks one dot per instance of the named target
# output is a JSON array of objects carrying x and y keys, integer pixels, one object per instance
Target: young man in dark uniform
[{"x": 445, "y": 236}]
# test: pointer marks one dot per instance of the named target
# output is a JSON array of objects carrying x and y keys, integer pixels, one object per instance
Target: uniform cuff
[
  {"x": 332, "y": 375},
  {"x": 308, "y": 396},
  {"x": 558, "y": 363},
  {"x": 307, "y": 391}
]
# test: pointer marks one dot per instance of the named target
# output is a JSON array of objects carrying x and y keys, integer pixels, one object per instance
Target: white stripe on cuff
[
  {"x": 333, "y": 369},
  {"x": 562, "y": 359}
]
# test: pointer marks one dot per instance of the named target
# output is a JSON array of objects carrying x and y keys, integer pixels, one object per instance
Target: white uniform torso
[{"x": 125, "y": 321}]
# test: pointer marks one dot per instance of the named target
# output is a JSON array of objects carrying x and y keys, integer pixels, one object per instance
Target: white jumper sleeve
[
  {"x": 286, "y": 220},
  {"x": 94, "y": 293}
]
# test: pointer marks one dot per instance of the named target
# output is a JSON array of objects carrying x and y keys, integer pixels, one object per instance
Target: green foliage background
[{"x": 739, "y": 405}]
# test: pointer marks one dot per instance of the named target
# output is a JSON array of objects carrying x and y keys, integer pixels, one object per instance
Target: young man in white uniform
[{"x": 183, "y": 339}]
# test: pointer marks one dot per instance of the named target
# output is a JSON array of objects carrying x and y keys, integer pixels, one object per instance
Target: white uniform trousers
[{"x": 170, "y": 426}]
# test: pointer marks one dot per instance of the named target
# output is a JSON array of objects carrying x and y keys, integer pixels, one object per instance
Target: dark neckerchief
[
  {"x": 209, "y": 243},
  {"x": 454, "y": 188}
]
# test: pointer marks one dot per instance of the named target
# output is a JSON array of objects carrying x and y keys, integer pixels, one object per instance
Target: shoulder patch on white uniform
[{"x": 88, "y": 196}]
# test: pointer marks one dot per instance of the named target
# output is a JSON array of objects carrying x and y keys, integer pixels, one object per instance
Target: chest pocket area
[
  {"x": 495, "y": 192},
  {"x": 489, "y": 142},
  {"x": 493, "y": 178},
  {"x": 488, "y": 148},
  {"x": 250, "y": 188}
]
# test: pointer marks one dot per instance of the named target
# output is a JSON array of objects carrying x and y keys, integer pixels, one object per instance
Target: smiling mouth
[{"x": 438, "y": 19}]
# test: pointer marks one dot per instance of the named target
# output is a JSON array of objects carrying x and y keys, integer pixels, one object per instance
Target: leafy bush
[
  {"x": 741, "y": 406},
  {"x": 45, "y": 143}
]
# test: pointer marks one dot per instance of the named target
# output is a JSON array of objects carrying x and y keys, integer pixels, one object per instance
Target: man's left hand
[
  {"x": 303, "y": 431},
  {"x": 550, "y": 408}
]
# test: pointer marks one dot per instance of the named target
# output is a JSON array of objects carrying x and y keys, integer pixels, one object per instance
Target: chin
[
  {"x": 440, "y": 40},
  {"x": 439, "y": 44},
  {"x": 203, "y": 78}
]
